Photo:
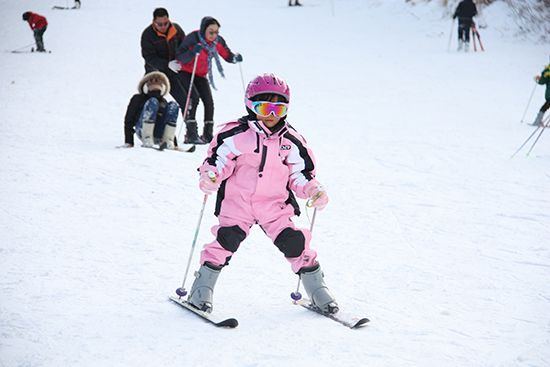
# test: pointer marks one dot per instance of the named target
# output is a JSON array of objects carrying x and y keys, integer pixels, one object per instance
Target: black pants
[
  {"x": 38, "y": 33},
  {"x": 545, "y": 106},
  {"x": 201, "y": 90},
  {"x": 464, "y": 29}
]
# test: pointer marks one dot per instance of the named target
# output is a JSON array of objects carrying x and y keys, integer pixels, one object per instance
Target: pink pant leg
[
  {"x": 286, "y": 236},
  {"x": 229, "y": 231}
]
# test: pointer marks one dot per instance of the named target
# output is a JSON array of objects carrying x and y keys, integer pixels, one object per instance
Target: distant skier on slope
[
  {"x": 149, "y": 115},
  {"x": 465, "y": 11},
  {"x": 543, "y": 78},
  {"x": 209, "y": 45},
  {"x": 255, "y": 164},
  {"x": 38, "y": 24}
]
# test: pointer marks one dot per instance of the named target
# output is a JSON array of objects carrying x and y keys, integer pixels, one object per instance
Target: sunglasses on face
[
  {"x": 162, "y": 25},
  {"x": 213, "y": 33},
  {"x": 264, "y": 108}
]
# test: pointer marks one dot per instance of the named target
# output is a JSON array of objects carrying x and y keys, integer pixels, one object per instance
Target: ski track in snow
[{"x": 432, "y": 231}]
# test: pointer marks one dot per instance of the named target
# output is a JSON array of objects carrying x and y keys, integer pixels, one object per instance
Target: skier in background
[
  {"x": 38, "y": 24},
  {"x": 465, "y": 11},
  {"x": 255, "y": 164},
  {"x": 296, "y": 3},
  {"x": 209, "y": 45},
  {"x": 543, "y": 78},
  {"x": 159, "y": 42},
  {"x": 149, "y": 115}
]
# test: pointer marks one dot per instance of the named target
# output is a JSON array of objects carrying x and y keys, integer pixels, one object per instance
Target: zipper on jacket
[
  {"x": 262, "y": 163},
  {"x": 257, "y": 150}
]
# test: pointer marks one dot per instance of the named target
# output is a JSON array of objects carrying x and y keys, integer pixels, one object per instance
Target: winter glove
[
  {"x": 197, "y": 48},
  {"x": 208, "y": 182},
  {"x": 174, "y": 65},
  {"x": 318, "y": 197},
  {"x": 237, "y": 58},
  {"x": 537, "y": 78}
]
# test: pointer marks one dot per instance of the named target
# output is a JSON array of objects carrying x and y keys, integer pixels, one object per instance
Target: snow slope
[{"x": 432, "y": 230}]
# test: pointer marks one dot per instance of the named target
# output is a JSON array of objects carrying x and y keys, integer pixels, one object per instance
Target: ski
[
  {"x": 228, "y": 323},
  {"x": 29, "y": 51},
  {"x": 353, "y": 322},
  {"x": 162, "y": 147}
]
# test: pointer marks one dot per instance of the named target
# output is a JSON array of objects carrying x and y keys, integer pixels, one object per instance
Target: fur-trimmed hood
[{"x": 142, "y": 86}]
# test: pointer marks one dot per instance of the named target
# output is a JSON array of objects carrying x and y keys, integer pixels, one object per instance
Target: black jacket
[
  {"x": 134, "y": 111},
  {"x": 158, "y": 49},
  {"x": 466, "y": 10}
]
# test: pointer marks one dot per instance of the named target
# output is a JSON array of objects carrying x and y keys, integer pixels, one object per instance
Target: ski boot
[
  {"x": 168, "y": 135},
  {"x": 466, "y": 46},
  {"x": 538, "y": 119},
  {"x": 317, "y": 291},
  {"x": 202, "y": 291},
  {"x": 207, "y": 131},
  {"x": 460, "y": 45},
  {"x": 147, "y": 134},
  {"x": 191, "y": 134}
]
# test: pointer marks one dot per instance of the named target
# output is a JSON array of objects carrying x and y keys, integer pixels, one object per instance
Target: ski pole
[
  {"x": 473, "y": 29},
  {"x": 189, "y": 93},
  {"x": 17, "y": 49},
  {"x": 544, "y": 125},
  {"x": 181, "y": 291},
  {"x": 451, "y": 35},
  {"x": 479, "y": 39},
  {"x": 297, "y": 295},
  {"x": 529, "y": 102},
  {"x": 525, "y": 142},
  {"x": 242, "y": 77}
]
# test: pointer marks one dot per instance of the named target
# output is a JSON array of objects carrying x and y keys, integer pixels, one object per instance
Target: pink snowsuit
[{"x": 259, "y": 170}]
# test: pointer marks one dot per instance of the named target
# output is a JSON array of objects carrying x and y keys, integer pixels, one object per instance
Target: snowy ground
[{"x": 432, "y": 231}]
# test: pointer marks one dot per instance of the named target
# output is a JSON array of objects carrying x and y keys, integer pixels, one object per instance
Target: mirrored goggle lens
[{"x": 279, "y": 109}]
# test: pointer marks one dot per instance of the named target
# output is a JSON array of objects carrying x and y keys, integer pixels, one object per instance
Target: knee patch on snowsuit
[
  {"x": 290, "y": 242},
  {"x": 230, "y": 237}
]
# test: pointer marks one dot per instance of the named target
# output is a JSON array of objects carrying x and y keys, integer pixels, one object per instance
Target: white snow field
[{"x": 432, "y": 231}]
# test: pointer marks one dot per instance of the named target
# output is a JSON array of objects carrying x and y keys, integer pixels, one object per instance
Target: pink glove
[
  {"x": 318, "y": 197},
  {"x": 209, "y": 182}
]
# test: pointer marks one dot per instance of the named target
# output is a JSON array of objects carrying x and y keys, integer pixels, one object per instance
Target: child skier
[
  {"x": 465, "y": 11},
  {"x": 209, "y": 46},
  {"x": 153, "y": 118},
  {"x": 543, "y": 78},
  {"x": 255, "y": 164},
  {"x": 38, "y": 24}
]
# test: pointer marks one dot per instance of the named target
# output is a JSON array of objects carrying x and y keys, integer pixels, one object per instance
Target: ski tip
[
  {"x": 360, "y": 323},
  {"x": 229, "y": 323}
]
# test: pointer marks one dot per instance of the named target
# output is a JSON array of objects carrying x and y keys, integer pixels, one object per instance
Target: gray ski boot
[
  {"x": 202, "y": 290},
  {"x": 319, "y": 295},
  {"x": 538, "y": 119}
]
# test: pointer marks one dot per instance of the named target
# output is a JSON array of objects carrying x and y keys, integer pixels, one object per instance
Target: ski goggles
[{"x": 264, "y": 109}]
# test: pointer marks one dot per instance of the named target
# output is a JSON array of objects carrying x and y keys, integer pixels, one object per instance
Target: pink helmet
[{"x": 267, "y": 83}]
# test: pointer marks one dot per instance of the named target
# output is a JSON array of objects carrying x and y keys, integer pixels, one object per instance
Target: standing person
[
  {"x": 38, "y": 24},
  {"x": 543, "y": 78},
  {"x": 465, "y": 11},
  {"x": 208, "y": 45},
  {"x": 256, "y": 164},
  {"x": 159, "y": 42},
  {"x": 149, "y": 115}
]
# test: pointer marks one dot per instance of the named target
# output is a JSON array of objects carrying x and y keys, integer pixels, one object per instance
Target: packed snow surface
[{"x": 432, "y": 231}]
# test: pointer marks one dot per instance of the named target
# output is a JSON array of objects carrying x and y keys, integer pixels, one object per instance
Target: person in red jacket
[
  {"x": 208, "y": 46},
  {"x": 38, "y": 24}
]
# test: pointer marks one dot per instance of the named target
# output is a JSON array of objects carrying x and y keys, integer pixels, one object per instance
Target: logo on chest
[{"x": 285, "y": 147}]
